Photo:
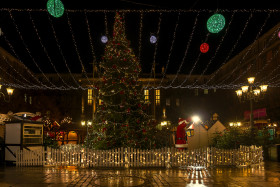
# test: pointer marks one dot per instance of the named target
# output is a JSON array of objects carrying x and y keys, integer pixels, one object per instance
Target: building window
[
  {"x": 89, "y": 96},
  {"x": 30, "y": 100},
  {"x": 167, "y": 101},
  {"x": 146, "y": 94},
  {"x": 157, "y": 97},
  {"x": 196, "y": 92},
  {"x": 25, "y": 98},
  {"x": 177, "y": 102},
  {"x": 205, "y": 91}
]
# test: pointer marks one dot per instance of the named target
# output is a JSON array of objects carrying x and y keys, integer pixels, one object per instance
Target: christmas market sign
[{"x": 55, "y": 8}]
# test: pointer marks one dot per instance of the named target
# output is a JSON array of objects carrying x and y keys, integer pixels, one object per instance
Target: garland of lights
[
  {"x": 217, "y": 49},
  {"x": 29, "y": 84},
  {"x": 264, "y": 78},
  {"x": 231, "y": 51},
  {"x": 91, "y": 45},
  {"x": 61, "y": 53},
  {"x": 197, "y": 59},
  {"x": 251, "y": 46},
  {"x": 140, "y": 38},
  {"x": 76, "y": 48},
  {"x": 22, "y": 85},
  {"x": 185, "y": 54},
  {"x": 155, "y": 51},
  {"x": 29, "y": 53},
  {"x": 181, "y": 86},
  {"x": 152, "y": 10},
  {"x": 171, "y": 48},
  {"x": 46, "y": 52},
  {"x": 28, "y": 71}
]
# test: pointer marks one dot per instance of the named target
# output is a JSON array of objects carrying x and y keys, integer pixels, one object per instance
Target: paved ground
[{"x": 263, "y": 175}]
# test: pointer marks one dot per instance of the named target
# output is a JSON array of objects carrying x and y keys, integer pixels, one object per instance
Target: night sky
[{"x": 44, "y": 55}]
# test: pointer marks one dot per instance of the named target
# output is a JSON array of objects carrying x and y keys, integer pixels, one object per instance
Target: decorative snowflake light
[
  {"x": 55, "y": 8},
  {"x": 216, "y": 23},
  {"x": 153, "y": 39},
  {"x": 204, "y": 48},
  {"x": 104, "y": 39}
]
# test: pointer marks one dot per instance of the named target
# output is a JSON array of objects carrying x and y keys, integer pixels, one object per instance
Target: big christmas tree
[{"x": 121, "y": 120}]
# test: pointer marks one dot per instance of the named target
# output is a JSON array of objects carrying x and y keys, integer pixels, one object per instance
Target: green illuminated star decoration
[
  {"x": 55, "y": 8},
  {"x": 216, "y": 23}
]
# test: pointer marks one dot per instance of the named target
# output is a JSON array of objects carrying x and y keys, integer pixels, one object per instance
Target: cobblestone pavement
[{"x": 267, "y": 174}]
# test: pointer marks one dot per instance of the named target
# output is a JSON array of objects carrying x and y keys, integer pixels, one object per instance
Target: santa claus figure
[{"x": 181, "y": 133}]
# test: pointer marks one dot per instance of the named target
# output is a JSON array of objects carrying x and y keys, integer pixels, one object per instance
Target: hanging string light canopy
[
  {"x": 55, "y": 8},
  {"x": 216, "y": 23}
]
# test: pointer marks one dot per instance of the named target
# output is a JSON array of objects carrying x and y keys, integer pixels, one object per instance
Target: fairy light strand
[
  {"x": 23, "y": 77},
  {"x": 45, "y": 50},
  {"x": 91, "y": 46},
  {"x": 190, "y": 73},
  {"x": 61, "y": 52},
  {"x": 185, "y": 53},
  {"x": 106, "y": 24},
  {"x": 24, "y": 85},
  {"x": 29, "y": 53},
  {"x": 171, "y": 48},
  {"x": 232, "y": 49},
  {"x": 140, "y": 38},
  {"x": 76, "y": 48},
  {"x": 152, "y": 10},
  {"x": 217, "y": 50},
  {"x": 250, "y": 48},
  {"x": 155, "y": 52}
]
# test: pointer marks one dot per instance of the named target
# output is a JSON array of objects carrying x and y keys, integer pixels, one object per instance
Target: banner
[{"x": 257, "y": 114}]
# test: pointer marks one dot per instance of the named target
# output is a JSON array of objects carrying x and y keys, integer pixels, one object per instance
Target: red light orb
[{"x": 204, "y": 48}]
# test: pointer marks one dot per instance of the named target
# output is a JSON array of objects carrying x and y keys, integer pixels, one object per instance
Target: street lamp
[
  {"x": 248, "y": 93},
  {"x": 235, "y": 124},
  {"x": 86, "y": 123},
  {"x": 10, "y": 92},
  {"x": 196, "y": 119}
]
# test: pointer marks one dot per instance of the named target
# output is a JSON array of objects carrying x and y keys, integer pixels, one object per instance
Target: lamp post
[
  {"x": 87, "y": 123},
  {"x": 235, "y": 124},
  {"x": 10, "y": 92},
  {"x": 248, "y": 93}
]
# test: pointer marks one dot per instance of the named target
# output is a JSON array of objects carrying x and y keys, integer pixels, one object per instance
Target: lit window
[
  {"x": 25, "y": 98},
  {"x": 196, "y": 92},
  {"x": 89, "y": 96},
  {"x": 205, "y": 91},
  {"x": 157, "y": 97},
  {"x": 177, "y": 102},
  {"x": 146, "y": 94},
  {"x": 100, "y": 102},
  {"x": 30, "y": 100}
]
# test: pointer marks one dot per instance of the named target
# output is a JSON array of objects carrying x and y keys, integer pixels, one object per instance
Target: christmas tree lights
[{"x": 121, "y": 120}]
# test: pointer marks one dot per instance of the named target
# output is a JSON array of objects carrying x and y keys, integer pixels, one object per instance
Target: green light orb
[
  {"x": 216, "y": 23},
  {"x": 55, "y": 8}
]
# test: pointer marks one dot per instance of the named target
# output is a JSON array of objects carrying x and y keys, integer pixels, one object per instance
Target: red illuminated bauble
[{"x": 204, "y": 48}]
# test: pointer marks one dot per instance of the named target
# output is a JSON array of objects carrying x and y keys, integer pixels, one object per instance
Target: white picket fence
[{"x": 130, "y": 157}]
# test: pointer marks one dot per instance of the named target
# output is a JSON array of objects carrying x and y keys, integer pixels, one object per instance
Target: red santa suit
[{"x": 181, "y": 133}]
